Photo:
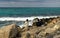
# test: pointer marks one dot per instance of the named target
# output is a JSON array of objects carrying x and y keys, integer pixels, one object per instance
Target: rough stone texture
[
  {"x": 50, "y": 29},
  {"x": 9, "y": 31}
]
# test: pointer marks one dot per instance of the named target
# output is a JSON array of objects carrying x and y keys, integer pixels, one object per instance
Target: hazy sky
[{"x": 29, "y": 3}]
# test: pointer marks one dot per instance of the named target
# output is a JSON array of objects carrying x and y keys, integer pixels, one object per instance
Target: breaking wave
[{"x": 23, "y": 18}]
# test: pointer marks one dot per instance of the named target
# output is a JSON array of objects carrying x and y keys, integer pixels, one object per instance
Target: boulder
[
  {"x": 37, "y": 22},
  {"x": 9, "y": 31}
]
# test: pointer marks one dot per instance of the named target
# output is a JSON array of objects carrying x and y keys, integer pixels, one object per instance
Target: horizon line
[{"x": 17, "y": 7}]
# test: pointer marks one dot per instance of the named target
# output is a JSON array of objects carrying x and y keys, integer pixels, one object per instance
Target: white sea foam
[{"x": 23, "y": 18}]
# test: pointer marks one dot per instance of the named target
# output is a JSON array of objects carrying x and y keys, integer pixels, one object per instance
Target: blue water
[{"x": 29, "y": 11}]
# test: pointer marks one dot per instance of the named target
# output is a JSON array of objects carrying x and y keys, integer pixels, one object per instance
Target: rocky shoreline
[{"x": 41, "y": 28}]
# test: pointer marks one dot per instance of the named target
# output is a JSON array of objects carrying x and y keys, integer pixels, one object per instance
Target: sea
[{"x": 18, "y": 15}]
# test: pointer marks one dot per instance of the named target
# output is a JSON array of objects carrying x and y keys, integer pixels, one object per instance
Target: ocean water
[
  {"x": 20, "y": 14},
  {"x": 29, "y": 11}
]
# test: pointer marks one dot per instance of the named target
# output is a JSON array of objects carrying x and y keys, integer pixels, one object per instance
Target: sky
[{"x": 29, "y": 3}]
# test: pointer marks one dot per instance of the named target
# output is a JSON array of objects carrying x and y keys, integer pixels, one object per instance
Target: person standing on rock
[{"x": 26, "y": 24}]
